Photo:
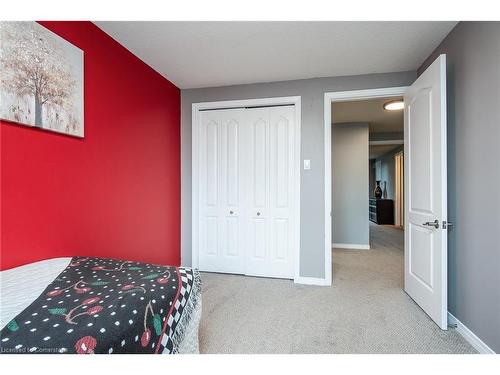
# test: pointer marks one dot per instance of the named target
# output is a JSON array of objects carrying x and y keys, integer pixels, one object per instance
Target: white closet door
[
  {"x": 220, "y": 191},
  {"x": 270, "y": 157}
]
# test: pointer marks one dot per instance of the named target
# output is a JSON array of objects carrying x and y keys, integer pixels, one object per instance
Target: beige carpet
[{"x": 364, "y": 311}]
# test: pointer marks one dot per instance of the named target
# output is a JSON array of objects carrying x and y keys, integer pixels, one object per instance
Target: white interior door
[
  {"x": 271, "y": 159},
  {"x": 425, "y": 192},
  {"x": 221, "y": 230}
]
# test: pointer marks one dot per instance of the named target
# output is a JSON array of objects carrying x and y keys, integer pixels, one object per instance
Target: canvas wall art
[{"x": 41, "y": 79}]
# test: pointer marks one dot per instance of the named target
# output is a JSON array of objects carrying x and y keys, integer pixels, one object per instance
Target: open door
[{"x": 426, "y": 243}]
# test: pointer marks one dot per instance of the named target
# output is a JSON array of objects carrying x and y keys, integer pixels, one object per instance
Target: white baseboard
[
  {"x": 311, "y": 281},
  {"x": 470, "y": 336},
  {"x": 351, "y": 246}
]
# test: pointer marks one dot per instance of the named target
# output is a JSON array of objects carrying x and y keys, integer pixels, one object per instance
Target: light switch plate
[{"x": 307, "y": 164}]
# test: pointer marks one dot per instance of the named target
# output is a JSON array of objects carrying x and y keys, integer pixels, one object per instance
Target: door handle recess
[{"x": 434, "y": 223}]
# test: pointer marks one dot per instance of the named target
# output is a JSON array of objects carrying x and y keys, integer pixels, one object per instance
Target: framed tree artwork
[{"x": 41, "y": 80}]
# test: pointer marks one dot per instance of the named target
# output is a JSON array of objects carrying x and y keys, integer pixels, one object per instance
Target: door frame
[
  {"x": 228, "y": 104},
  {"x": 399, "y": 206},
  {"x": 329, "y": 98}
]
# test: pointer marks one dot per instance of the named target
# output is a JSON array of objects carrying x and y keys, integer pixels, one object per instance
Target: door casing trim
[{"x": 329, "y": 98}]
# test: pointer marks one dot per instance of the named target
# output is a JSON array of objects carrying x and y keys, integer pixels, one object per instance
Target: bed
[{"x": 90, "y": 305}]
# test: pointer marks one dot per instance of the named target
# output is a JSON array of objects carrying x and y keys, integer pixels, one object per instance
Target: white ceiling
[
  {"x": 370, "y": 111},
  {"x": 207, "y": 54}
]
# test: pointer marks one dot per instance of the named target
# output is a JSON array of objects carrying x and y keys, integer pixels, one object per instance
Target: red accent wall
[{"x": 115, "y": 193}]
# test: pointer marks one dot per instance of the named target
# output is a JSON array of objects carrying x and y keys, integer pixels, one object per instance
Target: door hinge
[{"x": 447, "y": 224}]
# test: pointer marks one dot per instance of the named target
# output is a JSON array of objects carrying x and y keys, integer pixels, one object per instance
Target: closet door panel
[
  {"x": 233, "y": 170},
  {"x": 259, "y": 129},
  {"x": 257, "y": 194},
  {"x": 280, "y": 243},
  {"x": 269, "y": 249},
  {"x": 221, "y": 231},
  {"x": 281, "y": 207},
  {"x": 212, "y": 160}
]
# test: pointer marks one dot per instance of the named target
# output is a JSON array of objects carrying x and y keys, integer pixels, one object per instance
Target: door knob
[
  {"x": 258, "y": 213},
  {"x": 434, "y": 223},
  {"x": 231, "y": 212}
]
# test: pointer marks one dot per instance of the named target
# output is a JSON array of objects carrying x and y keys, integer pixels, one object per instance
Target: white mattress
[{"x": 20, "y": 286}]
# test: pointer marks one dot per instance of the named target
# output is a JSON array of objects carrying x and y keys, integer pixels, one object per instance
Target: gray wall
[
  {"x": 350, "y": 184},
  {"x": 388, "y": 172},
  {"x": 312, "y": 236},
  {"x": 473, "y": 56}
]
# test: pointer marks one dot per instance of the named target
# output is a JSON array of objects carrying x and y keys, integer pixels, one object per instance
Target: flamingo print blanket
[{"x": 99, "y": 305}]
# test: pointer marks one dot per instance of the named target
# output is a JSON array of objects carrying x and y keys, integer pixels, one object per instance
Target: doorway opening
[
  {"x": 367, "y": 186},
  {"x": 367, "y": 139},
  {"x": 348, "y": 168}
]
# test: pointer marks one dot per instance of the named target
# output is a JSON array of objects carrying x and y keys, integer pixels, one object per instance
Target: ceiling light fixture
[{"x": 394, "y": 105}]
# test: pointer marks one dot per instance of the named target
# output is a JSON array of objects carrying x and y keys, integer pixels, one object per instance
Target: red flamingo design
[
  {"x": 146, "y": 335},
  {"x": 69, "y": 317},
  {"x": 129, "y": 288},
  {"x": 103, "y": 268},
  {"x": 86, "y": 345},
  {"x": 78, "y": 262},
  {"x": 163, "y": 279},
  {"x": 75, "y": 286}
]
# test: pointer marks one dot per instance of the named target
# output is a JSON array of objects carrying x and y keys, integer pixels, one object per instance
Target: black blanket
[{"x": 101, "y": 305}]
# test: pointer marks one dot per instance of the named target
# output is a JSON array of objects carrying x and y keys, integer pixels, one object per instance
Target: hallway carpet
[{"x": 364, "y": 311}]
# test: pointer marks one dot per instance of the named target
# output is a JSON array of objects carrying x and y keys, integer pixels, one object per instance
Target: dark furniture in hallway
[{"x": 381, "y": 211}]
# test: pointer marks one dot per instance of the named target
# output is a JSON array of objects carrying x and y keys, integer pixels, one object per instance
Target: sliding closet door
[
  {"x": 270, "y": 157},
  {"x": 220, "y": 191}
]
